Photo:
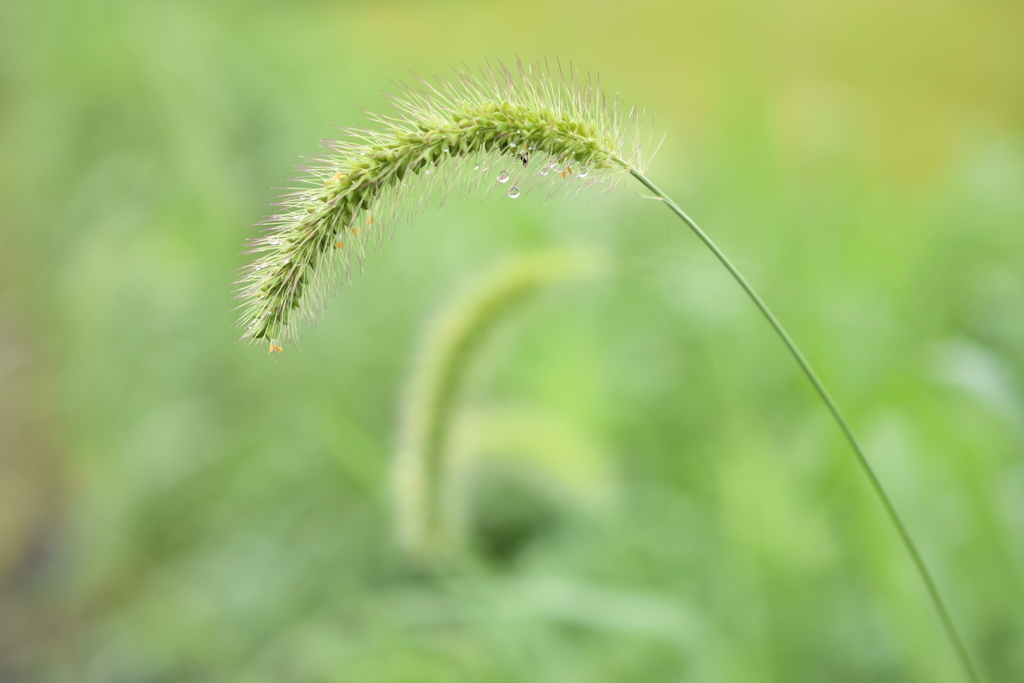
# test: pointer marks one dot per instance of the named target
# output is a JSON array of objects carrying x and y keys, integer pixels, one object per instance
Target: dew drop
[
  {"x": 583, "y": 172},
  {"x": 273, "y": 241},
  {"x": 428, "y": 171},
  {"x": 545, "y": 170},
  {"x": 513, "y": 192},
  {"x": 477, "y": 167},
  {"x": 503, "y": 177}
]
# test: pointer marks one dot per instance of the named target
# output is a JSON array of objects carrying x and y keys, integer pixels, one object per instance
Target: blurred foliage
[
  {"x": 446, "y": 447},
  {"x": 174, "y": 507}
]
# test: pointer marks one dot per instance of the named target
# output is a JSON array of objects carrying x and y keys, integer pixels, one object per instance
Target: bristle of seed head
[{"x": 534, "y": 119}]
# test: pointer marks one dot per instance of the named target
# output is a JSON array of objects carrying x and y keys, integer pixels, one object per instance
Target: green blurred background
[{"x": 177, "y": 507}]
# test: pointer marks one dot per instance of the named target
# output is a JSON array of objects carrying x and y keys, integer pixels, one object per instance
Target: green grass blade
[{"x": 908, "y": 542}]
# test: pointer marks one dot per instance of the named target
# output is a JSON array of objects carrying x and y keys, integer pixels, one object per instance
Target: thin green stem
[{"x": 908, "y": 542}]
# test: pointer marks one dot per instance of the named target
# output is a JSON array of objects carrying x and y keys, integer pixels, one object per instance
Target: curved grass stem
[{"x": 922, "y": 568}]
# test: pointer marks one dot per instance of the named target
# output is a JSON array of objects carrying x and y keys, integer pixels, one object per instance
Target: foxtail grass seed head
[
  {"x": 423, "y": 470},
  {"x": 525, "y": 128},
  {"x": 519, "y": 128}
]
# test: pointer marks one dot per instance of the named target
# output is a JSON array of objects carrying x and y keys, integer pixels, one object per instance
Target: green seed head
[{"x": 523, "y": 130}]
